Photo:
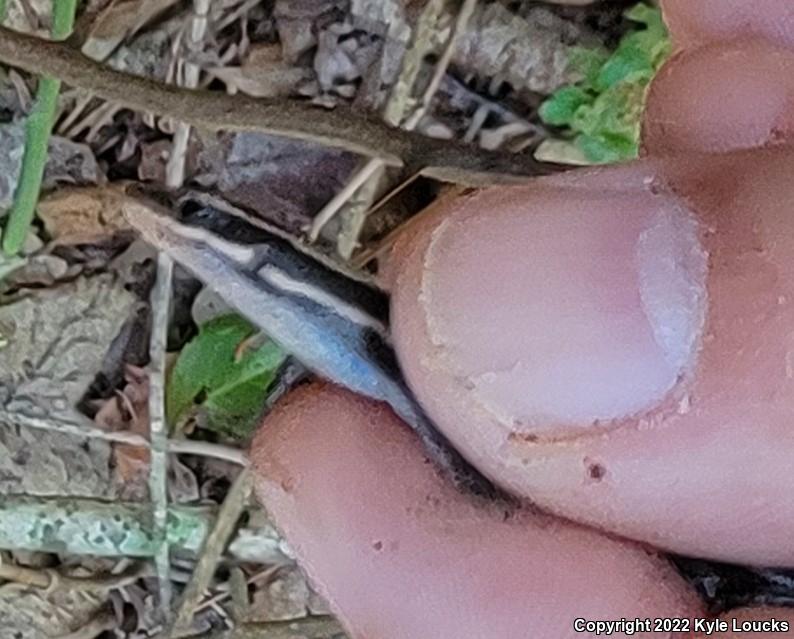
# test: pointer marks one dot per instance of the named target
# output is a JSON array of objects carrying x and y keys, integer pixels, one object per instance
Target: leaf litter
[{"x": 78, "y": 447}]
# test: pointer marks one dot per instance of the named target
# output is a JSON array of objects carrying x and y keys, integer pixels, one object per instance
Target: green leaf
[
  {"x": 561, "y": 107},
  {"x": 603, "y": 111},
  {"x": 628, "y": 64},
  {"x": 588, "y": 63},
  {"x": 228, "y": 380},
  {"x": 645, "y": 14},
  {"x": 610, "y": 127}
]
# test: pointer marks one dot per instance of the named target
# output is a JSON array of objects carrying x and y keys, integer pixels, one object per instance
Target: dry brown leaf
[
  {"x": 264, "y": 74},
  {"x": 122, "y": 19},
  {"x": 128, "y": 411},
  {"x": 84, "y": 215}
]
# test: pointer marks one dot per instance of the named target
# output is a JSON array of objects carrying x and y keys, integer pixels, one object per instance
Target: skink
[{"x": 335, "y": 325}]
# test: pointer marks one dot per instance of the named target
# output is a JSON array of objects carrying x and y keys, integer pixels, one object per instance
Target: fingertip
[
  {"x": 506, "y": 295},
  {"x": 721, "y": 97},
  {"x": 400, "y": 554},
  {"x": 695, "y": 22}
]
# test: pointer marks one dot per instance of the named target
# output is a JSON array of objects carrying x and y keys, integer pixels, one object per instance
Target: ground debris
[
  {"x": 530, "y": 51},
  {"x": 53, "y": 345},
  {"x": 120, "y": 20},
  {"x": 67, "y": 162},
  {"x": 32, "y": 614},
  {"x": 89, "y": 215},
  {"x": 284, "y": 182}
]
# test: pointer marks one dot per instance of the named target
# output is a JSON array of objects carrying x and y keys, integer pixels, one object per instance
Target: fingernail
[{"x": 547, "y": 308}]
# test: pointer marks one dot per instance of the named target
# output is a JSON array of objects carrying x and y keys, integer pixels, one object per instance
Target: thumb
[{"x": 615, "y": 346}]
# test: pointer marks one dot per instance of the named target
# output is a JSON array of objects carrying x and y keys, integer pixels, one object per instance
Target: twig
[
  {"x": 213, "y": 547},
  {"x": 50, "y": 579},
  {"x": 37, "y": 135},
  {"x": 320, "y": 627},
  {"x": 83, "y": 427},
  {"x": 342, "y": 128},
  {"x": 396, "y": 106},
  {"x": 355, "y": 214},
  {"x": 239, "y": 607},
  {"x": 461, "y": 22},
  {"x": 267, "y": 573},
  {"x": 158, "y": 475},
  {"x": 424, "y": 41},
  {"x": 175, "y": 168},
  {"x": 399, "y": 104},
  {"x": 327, "y": 213},
  {"x": 103, "y": 622}
]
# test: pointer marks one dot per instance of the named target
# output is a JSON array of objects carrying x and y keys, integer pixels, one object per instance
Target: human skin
[
  {"x": 614, "y": 344},
  {"x": 610, "y": 344},
  {"x": 400, "y": 553}
]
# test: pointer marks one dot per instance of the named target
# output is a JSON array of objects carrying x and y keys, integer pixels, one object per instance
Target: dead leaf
[
  {"x": 263, "y": 74},
  {"x": 32, "y": 614},
  {"x": 67, "y": 162},
  {"x": 41, "y": 271},
  {"x": 120, "y": 20},
  {"x": 286, "y": 596},
  {"x": 84, "y": 215},
  {"x": 284, "y": 181},
  {"x": 129, "y": 411},
  {"x": 155, "y": 155},
  {"x": 529, "y": 50},
  {"x": 31, "y": 16},
  {"x": 296, "y": 20},
  {"x": 54, "y": 343},
  {"x": 561, "y": 152}
]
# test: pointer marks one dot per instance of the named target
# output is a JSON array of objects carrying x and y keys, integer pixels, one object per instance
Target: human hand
[{"x": 611, "y": 344}]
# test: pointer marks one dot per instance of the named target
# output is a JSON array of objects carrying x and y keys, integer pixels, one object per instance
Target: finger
[
  {"x": 695, "y": 22},
  {"x": 760, "y": 623},
  {"x": 618, "y": 353},
  {"x": 401, "y": 554},
  {"x": 724, "y": 96}
]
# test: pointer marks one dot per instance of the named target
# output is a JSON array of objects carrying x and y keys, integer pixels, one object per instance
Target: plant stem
[
  {"x": 37, "y": 135},
  {"x": 342, "y": 127}
]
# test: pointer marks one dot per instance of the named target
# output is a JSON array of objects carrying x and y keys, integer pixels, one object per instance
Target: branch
[
  {"x": 341, "y": 128},
  {"x": 212, "y": 550}
]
